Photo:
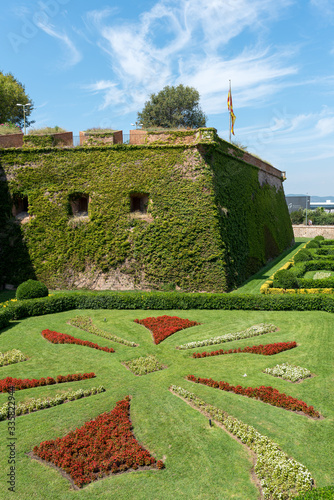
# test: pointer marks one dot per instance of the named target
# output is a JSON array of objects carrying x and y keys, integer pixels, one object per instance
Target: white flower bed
[
  {"x": 253, "y": 331},
  {"x": 321, "y": 275},
  {"x": 281, "y": 477},
  {"x": 10, "y": 357},
  {"x": 288, "y": 372},
  {"x": 85, "y": 323},
  {"x": 144, "y": 365},
  {"x": 35, "y": 404}
]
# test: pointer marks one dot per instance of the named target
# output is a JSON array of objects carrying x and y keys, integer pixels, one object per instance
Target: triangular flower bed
[
  {"x": 100, "y": 447},
  {"x": 164, "y": 326},
  {"x": 63, "y": 338}
]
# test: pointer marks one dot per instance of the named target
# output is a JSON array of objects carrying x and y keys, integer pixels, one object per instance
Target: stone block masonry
[{"x": 301, "y": 231}]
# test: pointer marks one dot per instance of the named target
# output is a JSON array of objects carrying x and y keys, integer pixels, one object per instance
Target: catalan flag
[{"x": 230, "y": 108}]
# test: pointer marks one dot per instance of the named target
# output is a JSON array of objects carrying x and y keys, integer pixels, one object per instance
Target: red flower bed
[
  {"x": 265, "y": 394},
  {"x": 100, "y": 447},
  {"x": 18, "y": 383},
  {"x": 63, "y": 338},
  {"x": 164, "y": 326},
  {"x": 266, "y": 350}
]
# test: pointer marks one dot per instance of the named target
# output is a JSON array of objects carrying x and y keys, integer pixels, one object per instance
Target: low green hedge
[
  {"x": 163, "y": 300},
  {"x": 318, "y": 283},
  {"x": 325, "y": 493},
  {"x": 319, "y": 264},
  {"x": 325, "y": 251}
]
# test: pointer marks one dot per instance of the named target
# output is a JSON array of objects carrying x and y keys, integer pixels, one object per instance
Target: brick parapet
[
  {"x": 95, "y": 139},
  {"x": 11, "y": 141}
]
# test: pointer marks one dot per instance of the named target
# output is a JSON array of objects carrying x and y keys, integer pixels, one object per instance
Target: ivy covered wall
[{"x": 209, "y": 222}]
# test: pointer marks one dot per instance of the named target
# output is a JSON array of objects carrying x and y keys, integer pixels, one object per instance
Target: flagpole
[{"x": 230, "y": 110}]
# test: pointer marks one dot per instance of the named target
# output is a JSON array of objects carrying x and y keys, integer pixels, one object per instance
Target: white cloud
[
  {"x": 292, "y": 139},
  {"x": 325, "y": 7},
  {"x": 178, "y": 42},
  {"x": 73, "y": 56},
  {"x": 325, "y": 126}
]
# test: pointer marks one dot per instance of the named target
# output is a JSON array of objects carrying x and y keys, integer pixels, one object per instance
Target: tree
[
  {"x": 173, "y": 107},
  {"x": 12, "y": 92}
]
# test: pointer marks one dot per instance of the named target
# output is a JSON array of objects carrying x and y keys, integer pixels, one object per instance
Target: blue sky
[{"x": 94, "y": 64}]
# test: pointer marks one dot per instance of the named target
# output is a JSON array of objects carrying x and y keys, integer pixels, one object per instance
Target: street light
[
  {"x": 24, "y": 113},
  {"x": 138, "y": 124}
]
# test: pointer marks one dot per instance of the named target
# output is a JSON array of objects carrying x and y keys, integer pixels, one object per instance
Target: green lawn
[{"x": 202, "y": 462}]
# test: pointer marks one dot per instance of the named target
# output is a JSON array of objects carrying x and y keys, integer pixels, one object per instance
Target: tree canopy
[
  {"x": 12, "y": 92},
  {"x": 173, "y": 107}
]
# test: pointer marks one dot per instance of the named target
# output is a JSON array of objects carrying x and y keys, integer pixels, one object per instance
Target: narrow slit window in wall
[
  {"x": 139, "y": 202},
  {"x": 79, "y": 205},
  {"x": 20, "y": 206}
]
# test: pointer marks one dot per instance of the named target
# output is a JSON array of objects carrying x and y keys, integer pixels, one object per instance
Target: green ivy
[{"x": 209, "y": 223}]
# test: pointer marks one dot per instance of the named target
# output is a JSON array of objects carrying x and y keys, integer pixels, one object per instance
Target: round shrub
[
  {"x": 31, "y": 289},
  {"x": 318, "y": 238},
  {"x": 285, "y": 279},
  {"x": 303, "y": 255},
  {"x": 313, "y": 244}
]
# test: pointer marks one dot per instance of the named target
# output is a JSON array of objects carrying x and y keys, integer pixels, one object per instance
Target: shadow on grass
[
  {"x": 266, "y": 271},
  {"x": 7, "y": 328}
]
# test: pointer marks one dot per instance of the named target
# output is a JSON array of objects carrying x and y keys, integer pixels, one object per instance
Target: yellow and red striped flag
[{"x": 230, "y": 108}]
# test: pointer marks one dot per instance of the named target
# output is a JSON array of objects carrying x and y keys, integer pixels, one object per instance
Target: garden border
[{"x": 163, "y": 301}]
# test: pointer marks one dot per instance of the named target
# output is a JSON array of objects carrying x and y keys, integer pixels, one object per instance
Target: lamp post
[
  {"x": 24, "y": 113},
  {"x": 138, "y": 124},
  {"x": 306, "y": 209}
]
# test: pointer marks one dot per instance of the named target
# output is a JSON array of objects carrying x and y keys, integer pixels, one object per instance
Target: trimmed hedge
[
  {"x": 31, "y": 289},
  {"x": 303, "y": 255},
  {"x": 317, "y": 283},
  {"x": 165, "y": 301},
  {"x": 284, "y": 278}
]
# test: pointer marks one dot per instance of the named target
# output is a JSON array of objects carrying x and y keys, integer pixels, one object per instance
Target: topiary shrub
[
  {"x": 319, "y": 238},
  {"x": 303, "y": 256},
  {"x": 313, "y": 244},
  {"x": 285, "y": 279},
  {"x": 31, "y": 289}
]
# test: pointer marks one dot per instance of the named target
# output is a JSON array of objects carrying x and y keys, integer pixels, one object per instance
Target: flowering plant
[
  {"x": 86, "y": 323},
  {"x": 9, "y": 128},
  {"x": 35, "y": 404},
  {"x": 253, "y": 331},
  {"x": 100, "y": 447},
  {"x": 289, "y": 372},
  {"x": 265, "y": 394},
  {"x": 266, "y": 350},
  {"x": 19, "y": 384},
  {"x": 10, "y": 357},
  {"x": 63, "y": 338},
  {"x": 164, "y": 326},
  {"x": 144, "y": 365}
]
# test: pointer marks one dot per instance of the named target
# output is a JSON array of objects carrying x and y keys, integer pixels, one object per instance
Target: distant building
[
  {"x": 295, "y": 203},
  {"x": 327, "y": 205}
]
